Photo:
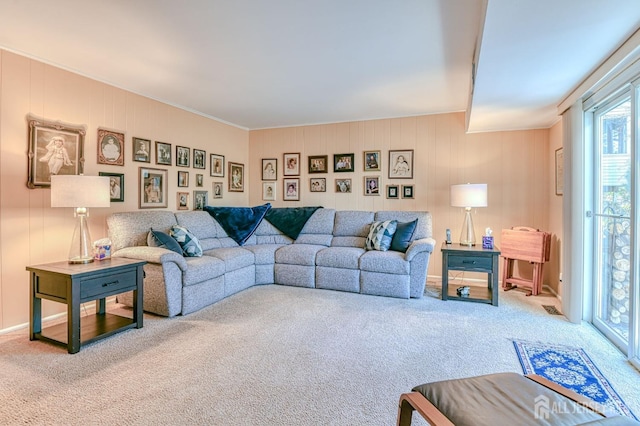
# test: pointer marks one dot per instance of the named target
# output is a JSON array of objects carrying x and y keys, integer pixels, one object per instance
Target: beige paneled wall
[
  {"x": 515, "y": 165},
  {"x": 30, "y": 231}
]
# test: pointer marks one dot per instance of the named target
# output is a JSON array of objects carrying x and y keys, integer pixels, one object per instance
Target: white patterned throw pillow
[
  {"x": 189, "y": 243},
  {"x": 380, "y": 235}
]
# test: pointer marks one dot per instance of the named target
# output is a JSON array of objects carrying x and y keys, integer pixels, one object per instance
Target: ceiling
[{"x": 262, "y": 64}]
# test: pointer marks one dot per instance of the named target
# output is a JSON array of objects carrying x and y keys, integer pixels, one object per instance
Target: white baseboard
[{"x": 84, "y": 311}]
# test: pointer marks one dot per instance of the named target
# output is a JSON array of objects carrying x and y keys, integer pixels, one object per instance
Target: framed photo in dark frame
[
  {"x": 393, "y": 192},
  {"x": 217, "y": 165},
  {"x": 236, "y": 177},
  {"x": 291, "y": 164},
  {"x": 269, "y": 169},
  {"x": 318, "y": 163},
  {"x": 183, "y": 155},
  {"x": 116, "y": 186},
  {"x": 163, "y": 153},
  {"x": 401, "y": 164},
  {"x": 343, "y": 163},
  {"x": 152, "y": 188},
  {"x": 371, "y": 161},
  {"x": 318, "y": 184},
  {"x": 291, "y": 191},
  {"x": 199, "y": 159},
  {"x": 141, "y": 150},
  {"x": 46, "y": 140},
  {"x": 407, "y": 191},
  {"x": 372, "y": 185},
  {"x": 183, "y": 179}
]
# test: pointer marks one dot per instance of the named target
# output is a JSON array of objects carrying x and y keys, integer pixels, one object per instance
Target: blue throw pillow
[
  {"x": 239, "y": 222},
  {"x": 189, "y": 243},
  {"x": 380, "y": 235},
  {"x": 404, "y": 233},
  {"x": 163, "y": 240}
]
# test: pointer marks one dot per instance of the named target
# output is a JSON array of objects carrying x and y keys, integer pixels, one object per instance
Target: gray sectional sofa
[{"x": 328, "y": 254}]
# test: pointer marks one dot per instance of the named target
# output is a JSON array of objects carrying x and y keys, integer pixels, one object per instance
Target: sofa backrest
[
  {"x": 423, "y": 228},
  {"x": 266, "y": 233},
  {"x": 351, "y": 228},
  {"x": 318, "y": 229},
  {"x": 130, "y": 229}
]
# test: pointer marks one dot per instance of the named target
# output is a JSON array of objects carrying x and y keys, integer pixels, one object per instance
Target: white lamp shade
[
  {"x": 80, "y": 191},
  {"x": 469, "y": 195}
]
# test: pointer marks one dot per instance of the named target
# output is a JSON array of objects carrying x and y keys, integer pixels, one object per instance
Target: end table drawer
[
  {"x": 468, "y": 263},
  {"x": 108, "y": 284}
]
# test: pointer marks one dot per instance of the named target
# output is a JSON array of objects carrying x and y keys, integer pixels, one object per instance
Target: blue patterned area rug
[{"x": 571, "y": 368}]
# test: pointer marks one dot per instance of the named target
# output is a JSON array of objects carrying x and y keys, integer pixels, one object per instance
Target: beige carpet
[{"x": 275, "y": 355}]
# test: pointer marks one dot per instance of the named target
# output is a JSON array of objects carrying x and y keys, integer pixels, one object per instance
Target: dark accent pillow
[
  {"x": 163, "y": 240},
  {"x": 239, "y": 222},
  {"x": 404, "y": 233}
]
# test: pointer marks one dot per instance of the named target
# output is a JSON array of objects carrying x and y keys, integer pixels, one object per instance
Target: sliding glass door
[{"x": 612, "y": 220}]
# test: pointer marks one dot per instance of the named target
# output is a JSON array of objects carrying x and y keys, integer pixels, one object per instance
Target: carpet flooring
[{"x": 277, "y": 355}]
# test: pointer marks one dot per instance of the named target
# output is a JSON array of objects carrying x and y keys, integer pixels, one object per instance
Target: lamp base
[
  {"x": 81, "y": 250},
  {"x": 468, "y": 234}
]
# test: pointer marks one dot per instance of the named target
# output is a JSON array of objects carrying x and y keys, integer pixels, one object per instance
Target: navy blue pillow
[
  {"x": 239, "y": 222},
  {"x": 402, "y": 238},
  {"x": 163, "y": 240}
]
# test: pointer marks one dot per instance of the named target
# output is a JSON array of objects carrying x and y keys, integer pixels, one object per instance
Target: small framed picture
[
  {"x": 116, "y": 186},
  {"x": 401, "y": 164},
  {"x": 217, "y": 189},
  {"x": 199, "y": 159},
  {"x": 318, "y": 185},
  {"x": 182, "y": 201},
  {"x": 318, "y": 163},
  {"x": 152, "y": 188},
  {"x": 343, "y": 185},
  {"x": 199, "y": 180},
  {"x": 269, "y": 191},
  {"x": 292, "y": 164},
  {"x": 236, "y": 177},
  {"x": 200, "y": 199},
  {"x": 407, "y": 191},
  {"x": 392, "y": 192},
  {"x": 54, "y": 149},
  {"x": 110, "y": 147},
  {"x": 182, "y": 156},
  {"x": 141, "y": 150},
  {"x": 217, "y": 165},
  {"x": 372, "y": 185},
  {"x": 371, "y": 161},
  {"x": 342, "y": 163},
  {"x": 163, "y": 153},
  {"x": 291, "y": 189},
  {"x": 269, "y": 168},
  {"x": 183, "y": 179}
]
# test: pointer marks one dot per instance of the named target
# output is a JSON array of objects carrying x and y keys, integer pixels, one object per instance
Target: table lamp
[
  {"x": 80, "y": 192},
  {"x": 468, "y": 196}
]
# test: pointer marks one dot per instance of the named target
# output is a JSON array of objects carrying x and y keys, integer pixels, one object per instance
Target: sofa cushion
[
  {"x": 265, "y": 254},
  {"x": 388, "y": 262},
  {"x": 200, "y": 269},
  {"x": 339, "y": 257},
  {"x": 239, "y": 222},
  {"x": 351, "y": 223},
  {"x": 380, "y": 235},
  {"x": 234, "y": 257},
  {"x": 189, "y": 242},
  {"x": 404, "y": 234},
  {"x": 348, "y": 242},
  {"x": 199, "y": 222},
  {"x": 298, "y": 254},
  {"x": 163, "y": 240}
]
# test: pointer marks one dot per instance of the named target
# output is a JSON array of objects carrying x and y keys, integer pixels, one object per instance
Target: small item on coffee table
[{"x": 463, "y": 291}]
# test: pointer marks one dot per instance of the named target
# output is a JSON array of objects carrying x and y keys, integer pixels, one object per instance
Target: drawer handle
[
  {"x": 111, "y": 283},
  {"x": 469, "y": 261}
]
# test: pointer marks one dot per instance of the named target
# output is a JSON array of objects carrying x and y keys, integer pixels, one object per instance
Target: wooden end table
[
  {"x": 471, "y": 259},
  {"x": 74, "y": 284}
]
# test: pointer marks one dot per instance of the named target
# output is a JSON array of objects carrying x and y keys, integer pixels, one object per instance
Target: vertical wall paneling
[{"x": 31, "y": 232}]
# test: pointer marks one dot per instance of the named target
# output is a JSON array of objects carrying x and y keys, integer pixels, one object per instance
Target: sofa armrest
[
  {"x": 419, "y": 246},
  {"x": 152, "y": 255}
]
